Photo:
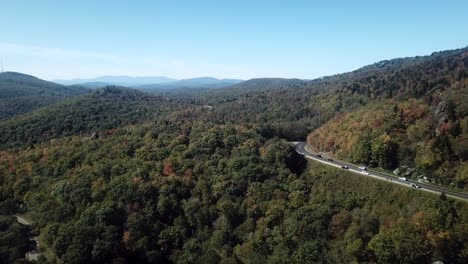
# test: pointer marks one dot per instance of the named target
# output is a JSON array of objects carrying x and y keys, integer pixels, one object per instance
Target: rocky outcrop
[
  {"x": 441, "y": 108},
  {"x": 441, "y": 116},
  {"x": 409, "y": 171}
]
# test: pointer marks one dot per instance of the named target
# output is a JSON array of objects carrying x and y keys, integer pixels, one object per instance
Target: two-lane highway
[{"x": 302, "y": 148}]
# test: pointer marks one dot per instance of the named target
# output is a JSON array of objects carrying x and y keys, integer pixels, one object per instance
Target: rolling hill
[
  {"x": 91, "y": 85},
  {"x": 194, "y": 83},
  {"x": 21, "y": 93},
  {"x": 123, "y": 176},
  {"x": 156, "y": 83},
  {"x": 119, "y": 80},
  {"x": 103, "y": 109},
  {"x": 415, "y": 121},
  {"x": 405, "y": 113}
]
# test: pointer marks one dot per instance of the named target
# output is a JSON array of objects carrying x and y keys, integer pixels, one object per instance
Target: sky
[{"x": 224, "y": 39}]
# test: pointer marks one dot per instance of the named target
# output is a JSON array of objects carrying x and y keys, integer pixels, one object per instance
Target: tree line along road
[{"x": 303, "y": 149}]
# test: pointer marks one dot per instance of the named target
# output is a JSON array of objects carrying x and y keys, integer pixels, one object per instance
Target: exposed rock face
[
  {"x": 441, "y": 108},
  {"x": 443, "y": 119},
  {"x": 441, "y": 115},
  {"x": 404, "y": 171},
  {"x": 409, "y": 171}
]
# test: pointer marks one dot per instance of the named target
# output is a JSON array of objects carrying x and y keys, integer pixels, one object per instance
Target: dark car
[
  {"x": 330, "y": 159},
  {"x": 318, "y": 156},
  {"x": 344, "y": 167}
]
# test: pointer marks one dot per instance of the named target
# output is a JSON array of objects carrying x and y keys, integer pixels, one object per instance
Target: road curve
[
  {"x": 34, "y": 254},
  {"x": 301, "y": 148},
  {"x": 22, "y": 220}
]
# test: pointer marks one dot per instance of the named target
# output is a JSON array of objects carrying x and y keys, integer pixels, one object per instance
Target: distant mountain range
[
  {"x": 119, "y": 80},
  {"x": 21, "y": 93},
  {"x": 91, "y": 85},
  {"x": 202, "y": 82},
  {"x": 151, "y": 82}
]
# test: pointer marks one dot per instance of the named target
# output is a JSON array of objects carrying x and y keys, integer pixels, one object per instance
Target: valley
[{"x": 206, "y": 173}]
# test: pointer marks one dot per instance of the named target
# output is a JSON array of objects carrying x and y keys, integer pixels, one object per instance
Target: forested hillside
[
  {"x": 105, "y": 108},
  {"x": 187, "y": 192},
  {"x": 293, "y": 108},
  {"x": 208, "y": 176},
  {"x": 20, "y": 93},
  {"x": 422, "y": 130}
]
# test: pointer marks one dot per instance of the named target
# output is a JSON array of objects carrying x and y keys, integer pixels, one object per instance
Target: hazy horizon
[{"x": 61, "y": 41}]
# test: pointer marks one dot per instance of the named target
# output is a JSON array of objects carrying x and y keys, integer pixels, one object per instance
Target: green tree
[{"x": 400, "y": 245}]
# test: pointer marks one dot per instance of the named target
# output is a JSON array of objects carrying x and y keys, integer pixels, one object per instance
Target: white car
[
  {"x": 402, "y": 178},
  {"x": 363, "y": 168},
  {"x": 366, "y": 172}
]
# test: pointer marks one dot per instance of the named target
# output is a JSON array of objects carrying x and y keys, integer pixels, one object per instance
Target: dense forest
[
  {"x": 105, "y": 108},
  {"x": 202, "y": 193},
  {"x": 117, "y": 175},
  {"x": 423, "y": 128},
  {"x": 291, "y": 108}
]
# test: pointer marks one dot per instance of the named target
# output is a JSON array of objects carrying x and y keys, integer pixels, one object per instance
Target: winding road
[
  {"x": 35, "y": 253},
  {"x": 302, "y": 148}
]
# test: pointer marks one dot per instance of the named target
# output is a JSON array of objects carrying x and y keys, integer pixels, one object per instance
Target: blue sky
[{"x": 224, "y": 39}]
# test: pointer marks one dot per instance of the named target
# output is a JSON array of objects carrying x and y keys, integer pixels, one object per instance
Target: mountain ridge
[
  {"x": 130, "y": 81},
  {"x": 122, "y": 80},
  {"x": 200, "y": 82},
  {"x": 21, "y": 93}
]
